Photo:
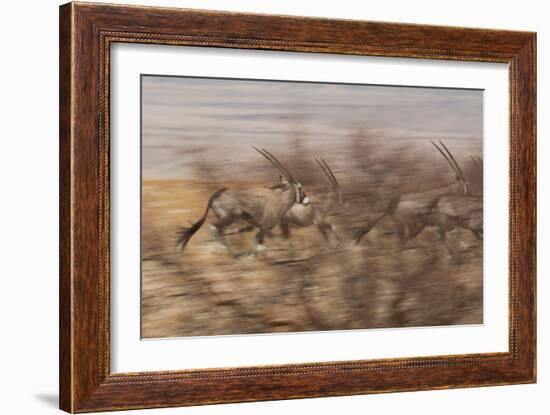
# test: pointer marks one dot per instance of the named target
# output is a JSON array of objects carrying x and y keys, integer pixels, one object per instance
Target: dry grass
[{"x": 301, "y": 283}]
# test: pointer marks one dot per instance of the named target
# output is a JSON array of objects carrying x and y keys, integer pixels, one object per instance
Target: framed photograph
[{"x": 259, "y": 207}]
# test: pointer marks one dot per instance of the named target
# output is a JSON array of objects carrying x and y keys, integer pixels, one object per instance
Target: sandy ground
[{"x": 300, "y": 283}]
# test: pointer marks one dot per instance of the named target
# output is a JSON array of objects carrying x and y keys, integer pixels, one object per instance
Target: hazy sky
[{"x": 215, "y": 121}]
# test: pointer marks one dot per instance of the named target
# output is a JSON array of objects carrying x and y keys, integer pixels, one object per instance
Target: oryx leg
[
  {"x": 475, "y": 246},
  {"x": 285, "y": 229},
  {"x": 247, "y": 228},
  {"x": 327, "y": 230},
  {"x": 259, "y": 246},
  {"x": 408, "y": 233},
  {"x": 478, "y": 234},
  {"x": 418, "y": 228},
  {"x": 402, "y": 235},
  {"x": 258, "y": 239},
  {"x": 218, "y": 228},
  {"x": 442, "y": 232}
]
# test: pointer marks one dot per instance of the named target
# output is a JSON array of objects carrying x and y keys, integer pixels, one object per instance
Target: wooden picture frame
[{"x": 86, "y": 33}]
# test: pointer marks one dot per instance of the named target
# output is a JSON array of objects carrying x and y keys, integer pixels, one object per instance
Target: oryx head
[
  {"x": 459, "y": 175},
  {"x": 287, "y": 179}
]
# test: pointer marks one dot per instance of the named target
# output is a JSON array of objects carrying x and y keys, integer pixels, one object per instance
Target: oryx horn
[
  {"x": 454, "y": 160},
  {"x": 328, "y": 171},
  {"x": 273, "y": 160}
]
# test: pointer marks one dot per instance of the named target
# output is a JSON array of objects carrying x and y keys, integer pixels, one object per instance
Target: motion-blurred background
[{"x": 197, "y": 135}]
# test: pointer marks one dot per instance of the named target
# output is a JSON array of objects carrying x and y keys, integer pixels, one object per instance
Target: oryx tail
[
  {"x": 367, "y": 228},
  {"x": 185, "y": 234}
]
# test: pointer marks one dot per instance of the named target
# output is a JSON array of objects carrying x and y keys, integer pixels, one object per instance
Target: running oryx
[
  {"x": 412, "y": 212},
  {"x": 262, "y": 208},
  {"x": 316, "y": 213},
  {"x": 458, "y": 212}
]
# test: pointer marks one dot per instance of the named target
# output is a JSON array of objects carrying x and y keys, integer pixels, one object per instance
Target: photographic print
[
  {"x": 303, "y": 217},
  {"x": 282, "y": 206}
]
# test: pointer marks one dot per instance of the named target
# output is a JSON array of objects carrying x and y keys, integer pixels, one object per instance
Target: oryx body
[
  {"x": 458, "y": 212},
  {"x": 413, "y": 212},
  {"x": 261, "y": 208}
]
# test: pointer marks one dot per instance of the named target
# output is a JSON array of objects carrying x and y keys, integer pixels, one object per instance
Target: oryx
[
  {"x": 262, "y": 208},
  {"x": 460, "y": 212},
  {"x": 315, "y": 213},
  {"x": 412, "y": 212}
]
